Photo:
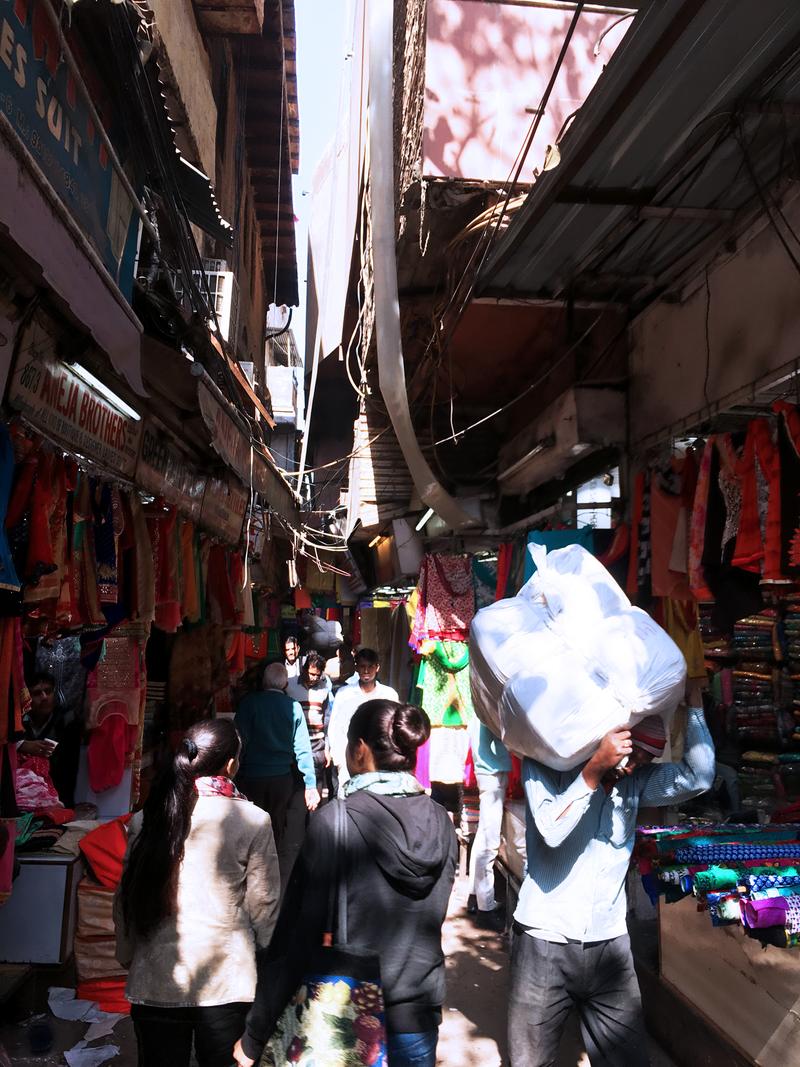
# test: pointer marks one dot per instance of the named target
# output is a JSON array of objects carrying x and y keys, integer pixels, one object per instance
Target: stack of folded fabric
[
  {"x": 715, "y": 644},
  {"x": 747, "y": 875},
  {"x": 791, "y": 632},
  {"x": 755, "y": 638},
  {"x": 100, "y": 977}
]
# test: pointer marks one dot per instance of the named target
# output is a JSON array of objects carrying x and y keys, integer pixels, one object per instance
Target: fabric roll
[{"x": 760, "y": 913}]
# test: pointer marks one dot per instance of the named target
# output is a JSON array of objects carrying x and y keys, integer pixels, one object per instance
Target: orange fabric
[
  {"x": 190, "y": 606},
  {"x": 104, "y": 851},
  {"x": 665, "y": 514},
  {"x": 11, "y": 718},
  {"x": 301, "y": 600},
  {"x": 751, "y": 548},
  {"x": 108, "y": 994},
  {"x": 235, "y": 652}
]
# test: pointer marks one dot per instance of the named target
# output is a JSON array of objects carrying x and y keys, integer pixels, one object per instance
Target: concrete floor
[{"x": 474, "y": 1018}]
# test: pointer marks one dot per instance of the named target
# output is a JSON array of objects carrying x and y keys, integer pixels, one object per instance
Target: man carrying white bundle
[{"x": 571, "y": 944}]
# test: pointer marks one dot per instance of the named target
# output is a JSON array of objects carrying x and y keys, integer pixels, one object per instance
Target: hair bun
[
  {"x": 411, "y": 728},
  {"x": 191, "y": 748}
]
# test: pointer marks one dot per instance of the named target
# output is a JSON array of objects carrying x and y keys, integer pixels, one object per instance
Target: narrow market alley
[{"x": 473, "y": 1031}]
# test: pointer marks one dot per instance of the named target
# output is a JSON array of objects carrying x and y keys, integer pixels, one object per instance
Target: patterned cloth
[
  {"x": 770, "y": 881},
  {"x": 217, "y": 785},
  {"x": 792, "y": 914},
  {"x": 332, "y": 1019},
  {"x": 446, "y": 600},
  {"x": 703, "y": 854}
]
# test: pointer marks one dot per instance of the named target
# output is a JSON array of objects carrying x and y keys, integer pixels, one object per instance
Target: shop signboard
[
  {"x": 164, "y": 471},
  {"x": 43, "y": 103},
  {"x": 224, "y": 507},
  {"x": 56, "y": 401},
  {"x": 235, "y": 449},
  {"x": 226, "y": 436}
]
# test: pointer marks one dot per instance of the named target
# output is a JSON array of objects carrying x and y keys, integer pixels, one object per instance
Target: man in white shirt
[
  {"x": 291, "y": 652},
  {"x": 363, "y": 686}
]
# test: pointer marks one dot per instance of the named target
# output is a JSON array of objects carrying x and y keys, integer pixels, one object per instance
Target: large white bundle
[{"x": 556, "y": 667}]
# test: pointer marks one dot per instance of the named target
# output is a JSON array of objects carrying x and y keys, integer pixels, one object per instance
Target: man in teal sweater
[{"x": 274, "y": 736}]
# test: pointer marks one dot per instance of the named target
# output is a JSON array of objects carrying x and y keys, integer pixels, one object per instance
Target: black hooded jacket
[{"x": 401, "y": 859}]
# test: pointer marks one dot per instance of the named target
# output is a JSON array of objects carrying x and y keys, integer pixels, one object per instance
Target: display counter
[{"x": 37, "y": 924}]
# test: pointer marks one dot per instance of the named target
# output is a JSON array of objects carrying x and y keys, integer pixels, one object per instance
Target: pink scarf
[{"x": 217, "y": 785}]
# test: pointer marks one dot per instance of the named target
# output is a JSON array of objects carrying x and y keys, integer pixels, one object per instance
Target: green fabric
[
  {"x": 27, "y": 825},
  {"x": 716, "y": 878},
  {"x": 385, "y": 784},
  {"x": 452, "y": 655},
  {"x": 445, "y": 693}
]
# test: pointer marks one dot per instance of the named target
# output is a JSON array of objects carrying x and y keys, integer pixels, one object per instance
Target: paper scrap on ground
[
  {"x": 63, "y": 1005},
  {"x": 81, "y": 1056},
  {"x": 102, "y": 1026}
]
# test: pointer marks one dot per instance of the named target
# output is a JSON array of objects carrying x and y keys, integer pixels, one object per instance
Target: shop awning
[
  {"x": 674, "y": 151},
  {"x": 197, "y": 194}
]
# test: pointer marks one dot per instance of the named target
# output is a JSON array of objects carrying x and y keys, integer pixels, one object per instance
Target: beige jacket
[{"x": 227, "y": 904}]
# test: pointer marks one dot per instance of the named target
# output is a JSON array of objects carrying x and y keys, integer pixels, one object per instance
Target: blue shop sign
[{"x": 41, "y": 100}]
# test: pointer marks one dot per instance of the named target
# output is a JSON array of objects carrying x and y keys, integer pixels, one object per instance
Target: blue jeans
[{"x": 413, "y": 1050}]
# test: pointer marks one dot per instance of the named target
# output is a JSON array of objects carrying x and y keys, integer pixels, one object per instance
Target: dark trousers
[
  {"x": 272, "y": 795},
  {"x": 597, "y": 978},
  {"x": 320, "y": 769},
  {"x": 296, "y": 821},
  {"x": 164, "y": 1036}
]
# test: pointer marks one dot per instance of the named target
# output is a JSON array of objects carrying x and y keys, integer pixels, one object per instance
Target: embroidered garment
[{"x": 446, "y": 600}]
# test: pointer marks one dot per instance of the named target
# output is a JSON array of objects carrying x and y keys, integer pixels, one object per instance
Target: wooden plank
[{"x": 750, "y": 994}]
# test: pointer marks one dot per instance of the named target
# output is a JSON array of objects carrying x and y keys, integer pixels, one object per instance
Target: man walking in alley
[
  {"x": 312, "y": 691},
  {"x": 570, "y": 944},
  {"x": 363, "y": 686}
]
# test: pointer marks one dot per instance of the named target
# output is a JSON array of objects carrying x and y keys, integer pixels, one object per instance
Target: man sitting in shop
[
  {"x": 570, "y": 945},
  {"x": 363, "y": 686},
  {"x": 312, "y": 691},
  {"x": 48, "y": 734},
  {"x": 274, "y": 736}
]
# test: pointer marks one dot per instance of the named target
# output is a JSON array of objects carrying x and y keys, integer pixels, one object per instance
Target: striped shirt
[
  {"x": 315, "y": 702},
  {"x": 579, "y": 840}
]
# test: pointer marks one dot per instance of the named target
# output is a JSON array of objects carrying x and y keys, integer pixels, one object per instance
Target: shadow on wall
[{"x": 487, "y": 66}]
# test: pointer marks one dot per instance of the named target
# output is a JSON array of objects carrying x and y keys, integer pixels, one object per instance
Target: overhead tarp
[
  {"x": 335, "y": 200},
  {"x": 201, "y": 205}
]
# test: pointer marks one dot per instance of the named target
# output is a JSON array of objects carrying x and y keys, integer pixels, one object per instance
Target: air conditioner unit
[
  {"x": 583, "y": 420},
  {"x": 223, "y": 290},
  {"x": 220, "y": 290}
]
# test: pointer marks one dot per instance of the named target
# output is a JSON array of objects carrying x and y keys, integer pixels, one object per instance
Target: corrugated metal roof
[{"x": 679, "y": 143}]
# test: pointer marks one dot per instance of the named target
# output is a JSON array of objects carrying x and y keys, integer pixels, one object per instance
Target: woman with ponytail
[
  {"x": 400, "y": 862},
  {"x": 198, "y": 896}
]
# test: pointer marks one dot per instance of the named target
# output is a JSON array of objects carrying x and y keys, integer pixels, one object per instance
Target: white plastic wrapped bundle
[{"x": 556, "y": 667}]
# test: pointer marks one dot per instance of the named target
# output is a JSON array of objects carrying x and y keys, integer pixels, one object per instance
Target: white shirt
[
  {"x": 350, "y": 697},
  {"x": 292, "y": 669}
]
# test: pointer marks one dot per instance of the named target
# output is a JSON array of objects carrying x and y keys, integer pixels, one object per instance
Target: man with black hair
[
  {"x": 291, "y": 652},
  {"x": 312, "y": 691},
  {"x": 50, "y": 735},
  {"x": 363, "y": 686}
]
